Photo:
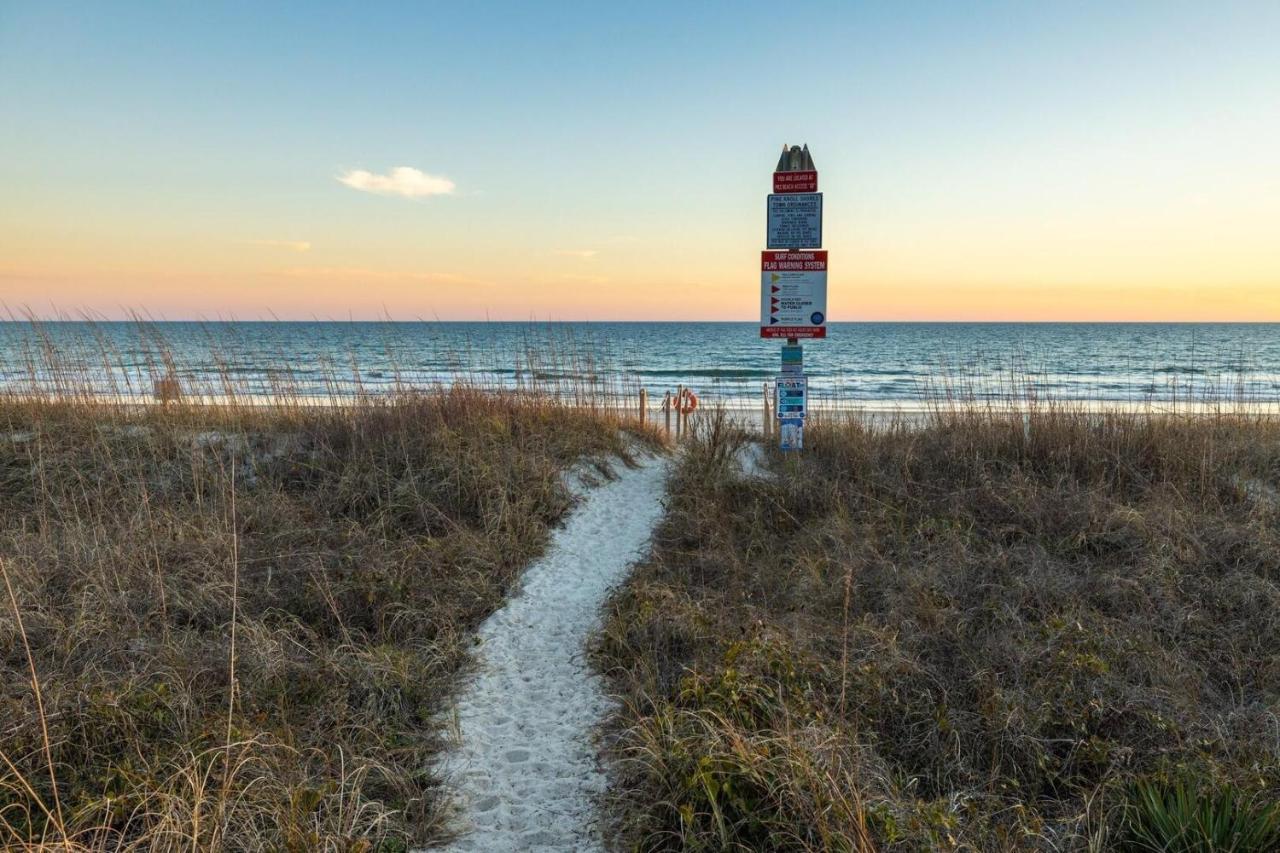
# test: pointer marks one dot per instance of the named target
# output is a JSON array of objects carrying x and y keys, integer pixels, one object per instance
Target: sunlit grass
[
  {"x": 962, "y": 630},
  {"x": 237, "y": 626}
]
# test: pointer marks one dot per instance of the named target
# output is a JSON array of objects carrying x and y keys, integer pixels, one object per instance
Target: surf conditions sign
[
  {"x": 793, "y": 294},
  {"x": 793, "y": 283}
]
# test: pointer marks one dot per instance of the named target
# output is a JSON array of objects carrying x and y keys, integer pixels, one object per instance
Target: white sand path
[{"x": 525, "y": 768}]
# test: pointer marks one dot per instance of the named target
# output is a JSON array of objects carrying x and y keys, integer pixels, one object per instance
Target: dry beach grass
[
  {"x": 233, "y": 625},
  {"x": 234, "y": 628},
  {"x": 970, "y": 632}
]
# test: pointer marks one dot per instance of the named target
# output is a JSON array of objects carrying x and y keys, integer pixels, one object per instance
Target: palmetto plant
[{"x": 1182, "y": 818}]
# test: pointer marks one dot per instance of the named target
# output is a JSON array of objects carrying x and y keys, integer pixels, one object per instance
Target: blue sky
[{"x": 611, "y": 160}]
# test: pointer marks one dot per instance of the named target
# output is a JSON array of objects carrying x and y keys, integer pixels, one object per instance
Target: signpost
[
  {"x": 791, "y": 434},
  {"x": 792, "y": 360},
  {"x": 792, "y": 397},
  {"x": 795, "y": 182},
  {"x": 793, "y": 284},
  {"x": 793, "y": 295},
  {"x": 794, "y": 221}
]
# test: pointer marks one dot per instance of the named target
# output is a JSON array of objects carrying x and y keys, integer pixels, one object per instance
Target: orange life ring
[{"x": 686, "y": 402}]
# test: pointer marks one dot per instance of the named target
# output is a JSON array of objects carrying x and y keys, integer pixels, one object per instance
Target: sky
[{"x": 565, "y": 161}]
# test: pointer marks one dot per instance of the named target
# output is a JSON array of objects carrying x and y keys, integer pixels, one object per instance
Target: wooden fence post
[
  {"x": 767, "y": 425},
  {"x": 644, "y": 406},
  {"x": 666, "y": 411},
  {"x": 679, "y": 411}
]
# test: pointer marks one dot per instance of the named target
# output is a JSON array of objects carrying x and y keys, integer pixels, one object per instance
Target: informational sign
[
  {"x": 792, "y": 359},
  {"x": 793, "y": 283},
  {"x": 793, "y": 294},
  {"x": 795, "y": 182},
  {"x": 794, "y": 221},
  {"x": 791, "y": 434},
  {"x": 791, "y": 399}
]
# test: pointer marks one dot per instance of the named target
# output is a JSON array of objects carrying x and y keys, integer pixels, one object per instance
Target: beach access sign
[
  {"x": 794, "y": 220},
  {"x": 793, "y": 294},
  {"x": 796, "y": 182}
]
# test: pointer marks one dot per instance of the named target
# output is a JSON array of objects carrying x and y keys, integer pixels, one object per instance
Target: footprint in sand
[{"x": 524, "y": 769}]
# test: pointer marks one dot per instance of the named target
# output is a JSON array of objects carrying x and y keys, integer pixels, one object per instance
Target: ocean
[{"x": 869, "y": 365}]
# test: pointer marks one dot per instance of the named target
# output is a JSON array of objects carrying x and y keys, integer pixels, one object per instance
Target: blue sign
[
  {"x": 792, "y": 359},
  {"x": 791, "y": 396}
]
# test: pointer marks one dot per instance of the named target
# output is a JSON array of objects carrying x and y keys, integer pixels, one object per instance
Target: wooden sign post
[{"x": 793, "y": 284}]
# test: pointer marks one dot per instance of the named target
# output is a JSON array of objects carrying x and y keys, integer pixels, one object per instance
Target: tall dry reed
[
  {"x": 964, "y": 630},
  {"x": 235, "y": 626}
]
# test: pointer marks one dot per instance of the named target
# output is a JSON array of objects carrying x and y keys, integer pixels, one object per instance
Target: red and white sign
[
  {"x": 793, "y": 294},
  {"x": 795, "y": 182}
]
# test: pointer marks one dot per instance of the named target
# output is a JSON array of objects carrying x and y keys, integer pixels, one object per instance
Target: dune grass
[
  {"x": 974, "y": 632},
  {"x": 236, "y": 628}
]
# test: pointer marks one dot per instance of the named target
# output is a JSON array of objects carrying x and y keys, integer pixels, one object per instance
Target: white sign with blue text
[{"x": 794, "y": 221}]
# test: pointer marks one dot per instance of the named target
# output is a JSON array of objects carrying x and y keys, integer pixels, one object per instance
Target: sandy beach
[{"x": 524, "y": 766}]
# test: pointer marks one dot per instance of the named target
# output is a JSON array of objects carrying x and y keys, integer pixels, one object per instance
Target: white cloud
[
  {"x": 402, "y": 180},
  {"x": 292, "y": 245},
  {"x": 584, "y": 254}
]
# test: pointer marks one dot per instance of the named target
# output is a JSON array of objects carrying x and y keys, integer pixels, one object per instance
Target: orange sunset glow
[{"x": 969, "y": 185}]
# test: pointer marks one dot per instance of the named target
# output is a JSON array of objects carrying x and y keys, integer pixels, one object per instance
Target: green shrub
[{"x": 1184, "y": 818}]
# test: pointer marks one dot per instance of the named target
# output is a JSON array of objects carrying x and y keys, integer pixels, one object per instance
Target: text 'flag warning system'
[
  {"x": 793, "y": 294},
  {"x": 793, "y": 283}
]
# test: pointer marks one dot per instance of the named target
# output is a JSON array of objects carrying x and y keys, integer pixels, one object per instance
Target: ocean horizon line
[{"x": 488, "y": 322}]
